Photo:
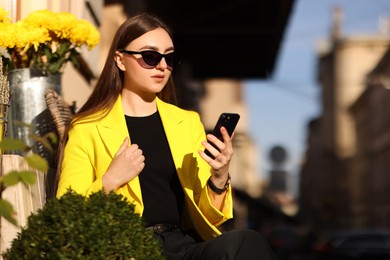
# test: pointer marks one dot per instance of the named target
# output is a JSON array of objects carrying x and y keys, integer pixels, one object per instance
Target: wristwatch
[{"x": 216, "y": 189}]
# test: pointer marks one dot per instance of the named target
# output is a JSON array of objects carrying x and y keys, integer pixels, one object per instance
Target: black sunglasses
[{"x": 152, "y": 58}]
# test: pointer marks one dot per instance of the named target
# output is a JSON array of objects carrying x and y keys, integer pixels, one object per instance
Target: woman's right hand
[{"x": 127, "y": 164}]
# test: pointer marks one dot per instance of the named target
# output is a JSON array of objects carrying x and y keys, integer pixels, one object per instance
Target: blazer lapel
[
  {"x": 172, "y": 120},
  {"x": 112, "y": 128},
  {"x": 113, "y": 131}
]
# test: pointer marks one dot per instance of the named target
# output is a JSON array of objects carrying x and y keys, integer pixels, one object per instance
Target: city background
[{"x": 280, "y": 107}]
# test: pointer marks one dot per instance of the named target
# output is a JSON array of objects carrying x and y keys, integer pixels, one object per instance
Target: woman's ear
[{"x": 119, "y": 60}]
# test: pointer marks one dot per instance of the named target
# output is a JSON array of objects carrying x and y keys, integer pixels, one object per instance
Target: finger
[
  {"x": 213, "y": 139},
  {"x": 133, "y": 152},
  {"x": 139, "y": 163},
  {"x": 123, "y": 146},
  {"x": 205, "y": 157},
  {"x": 137, "y": 153},
  {"x": 225, "y": 135},
  {"x": 133, "y": 148},
  {"x": 213, "y": 149},
  {"x": 141, "y": 166},
  {"x": 218, "y": 144},
  {"x": 227, "y": 141},
  {"x": 141, "y": 159},
  {"x": 214, "y": 163}
]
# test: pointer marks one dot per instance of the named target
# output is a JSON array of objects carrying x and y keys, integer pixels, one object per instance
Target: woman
[{"x": 127, "y": 138}]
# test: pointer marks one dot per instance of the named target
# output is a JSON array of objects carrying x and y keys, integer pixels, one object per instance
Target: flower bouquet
[{"x": 44, "y": 40}]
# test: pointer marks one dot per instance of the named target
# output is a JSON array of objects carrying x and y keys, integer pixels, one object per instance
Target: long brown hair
[{"x": 110, "y": 82}]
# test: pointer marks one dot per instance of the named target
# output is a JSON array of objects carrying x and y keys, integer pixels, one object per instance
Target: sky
[{"x": 280, "y": 107}]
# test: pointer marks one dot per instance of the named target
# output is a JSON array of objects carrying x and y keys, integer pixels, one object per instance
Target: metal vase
[{"x": 28, "y": 87}]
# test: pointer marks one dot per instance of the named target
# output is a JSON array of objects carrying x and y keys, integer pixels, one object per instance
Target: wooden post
[{"x": 24, "y": 199}]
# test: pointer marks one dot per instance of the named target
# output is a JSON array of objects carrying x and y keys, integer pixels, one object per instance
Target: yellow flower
[
  {"x": 4, "y": 16},
  {"x": 28, "y": 36},
  {"x": 83, "y": 33},
  {"x": 40, "y": 19},
  {"x": 65, "y": 23},
  {"x": 93, "y": 38},
  {"x": 45, "y": 39},
  {"x": 7, "y": 35}
]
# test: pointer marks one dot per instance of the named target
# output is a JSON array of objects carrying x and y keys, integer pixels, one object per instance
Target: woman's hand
[
  {"x": 219, "y": 165},
  {"x": 127, "y": 164}
]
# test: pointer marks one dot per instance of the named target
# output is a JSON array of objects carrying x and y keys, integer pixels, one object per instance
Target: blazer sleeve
[
  {"x": 77, "y": 169},
  {"x": 213, "y": 215}
]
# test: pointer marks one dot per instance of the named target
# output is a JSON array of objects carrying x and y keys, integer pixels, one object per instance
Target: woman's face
[{"x": 139, "y": 76}]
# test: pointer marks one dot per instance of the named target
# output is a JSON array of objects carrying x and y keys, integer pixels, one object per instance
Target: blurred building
[
  {"x": 345, "y": 148},
  {"x": 372, "y": 160}
]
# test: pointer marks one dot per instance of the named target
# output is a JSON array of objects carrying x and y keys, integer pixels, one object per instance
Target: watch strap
[{"x": 216, "y": 189}]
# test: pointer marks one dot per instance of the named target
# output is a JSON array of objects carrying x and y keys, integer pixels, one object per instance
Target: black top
[{"x": 161, "y": 190}]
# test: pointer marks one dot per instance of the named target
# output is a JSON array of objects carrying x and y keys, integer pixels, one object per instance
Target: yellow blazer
[{"x": 93, "y": 144}]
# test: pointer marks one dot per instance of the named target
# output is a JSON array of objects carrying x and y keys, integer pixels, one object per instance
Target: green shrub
[{"x": 74, "y": 227}]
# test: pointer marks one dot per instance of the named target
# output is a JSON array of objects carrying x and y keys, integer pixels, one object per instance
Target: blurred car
[{"x": 357, "y": 244}]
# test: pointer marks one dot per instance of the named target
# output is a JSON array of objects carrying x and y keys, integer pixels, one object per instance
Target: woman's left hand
[{"x": 222, "y": 156}]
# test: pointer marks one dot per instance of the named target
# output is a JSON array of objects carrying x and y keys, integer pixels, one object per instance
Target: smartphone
[{"x": 227, "y": 120}]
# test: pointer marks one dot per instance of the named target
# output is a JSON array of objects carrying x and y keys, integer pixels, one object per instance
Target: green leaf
[
  {"x": 10, "y": 144},
  {"x": 37, "y": 162},
  {"x": 11, "y": 178},
  {"x": 44, "y": 141},
  {"x": 8, "y": 63},
  {"x": 27, "y": 177},
  {"x": 63, "y": 48},
  {"x": 47, "y": 52},
  {"x": 73, "y": 57},
  {"x": 22, "y": 124},
  {"x": 56, "y": 64},
  {"x": 53, "y": 137},
  {"x": 14, "y": 177},
  {"x": 7, "y": 211}
]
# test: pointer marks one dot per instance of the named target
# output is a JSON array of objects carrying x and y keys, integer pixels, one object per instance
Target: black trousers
[{"x": 237, "y": 244}]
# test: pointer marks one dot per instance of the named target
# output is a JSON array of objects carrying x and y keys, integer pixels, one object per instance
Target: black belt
[{"x": 160, "y": 229}]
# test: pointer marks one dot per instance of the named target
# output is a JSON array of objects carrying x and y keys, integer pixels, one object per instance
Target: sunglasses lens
[
  {"x": 169, "y": 59},
  {"x": 152, "y": 58}
]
